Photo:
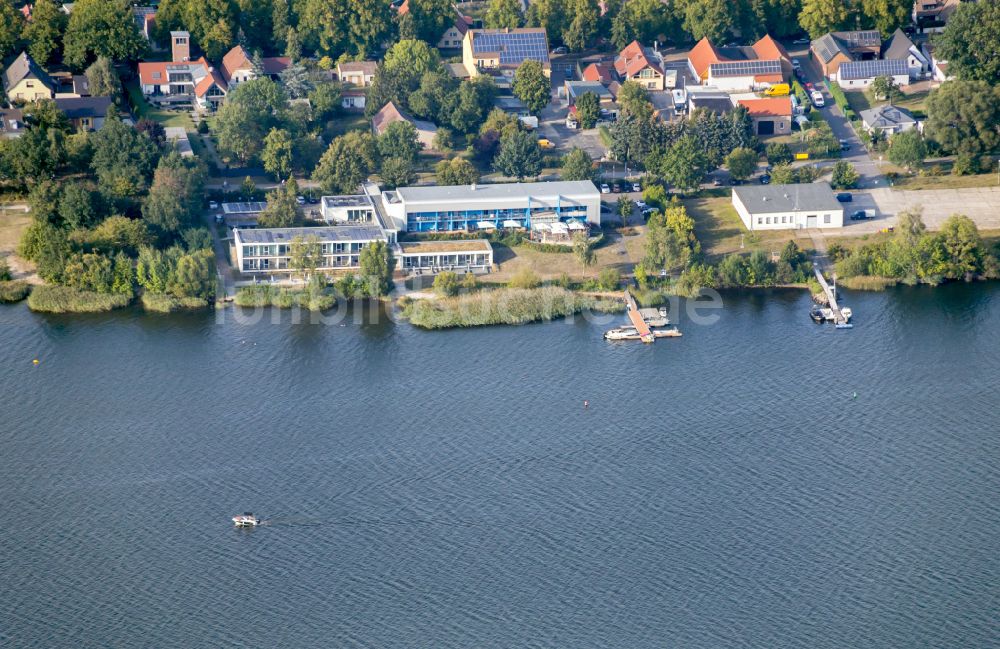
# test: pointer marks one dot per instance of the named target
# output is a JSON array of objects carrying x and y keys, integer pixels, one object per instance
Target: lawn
[
  {"x": 863, "y": 100},
  {"x": 947, "y": 181},
  {"x": 147, "y": 110},
  {"x": 12, "y": 225},
  {"x": 721, "y": 232}
]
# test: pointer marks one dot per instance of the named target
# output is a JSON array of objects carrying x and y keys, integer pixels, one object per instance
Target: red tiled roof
[
  {"x": 212, "y": 78},
  {"x": 768, "y": 49},
  {"x": 769, "y": 107},
  {"x": 632, "y": 60},
  {"x": 153, "y": 73},
  {"x": 235, "y": 59},
  {"x": 276, "y": 64},
  {"x": 703, "y": 55},
  {"x": 390, "y": 113},
  {"x": 403, "y": 8},
  {"x": 600, "y": 72}
]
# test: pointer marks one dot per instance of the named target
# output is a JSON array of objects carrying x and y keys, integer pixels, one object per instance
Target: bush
[
  {"x": 166, "y": 303},
  {"x": 525, "y": 278},
  {"x": 608, "y": 279},
  {"x": 14, "y": 291},
  {"x": 285, "y": 298},
  {"x": 778, "y": 153},
  {"x": 203, "y": 127},
  {"x": 64, "y": 299},
  {"x": 446, "y": 284},
  {"x": 502, "y": 306}
]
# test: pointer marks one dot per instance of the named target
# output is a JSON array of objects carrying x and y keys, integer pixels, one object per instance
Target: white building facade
[{"x": 788, "y": 207}]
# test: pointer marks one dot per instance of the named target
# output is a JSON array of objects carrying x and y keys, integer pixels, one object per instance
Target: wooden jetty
[
  {"x": 831, "y": 295},
  {"x": 637, "y": 319}
]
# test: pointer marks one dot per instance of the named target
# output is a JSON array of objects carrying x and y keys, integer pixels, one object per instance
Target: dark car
[
  {"x": 765, "y": 180},
  {"x": 845, "y": 197},
  {"x": 845, "y": 145},
  {"x": 862, "y": 215}
]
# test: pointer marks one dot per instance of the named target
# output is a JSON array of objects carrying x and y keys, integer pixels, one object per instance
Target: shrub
[
  {"x": 446, "y": 284},
  {"x": 166, "y": 303},
  {"x": 285, "y": 298},
  {"x": 64, "y": 299},
  {"x": 524, "y": 278},
  {"x": 778, "y": 153},
  {"x": 14, "y": 290},
  {"x": 608, "y": 279}
]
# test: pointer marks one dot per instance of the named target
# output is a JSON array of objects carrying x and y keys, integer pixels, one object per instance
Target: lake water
[{"x": 448, "y": 489}]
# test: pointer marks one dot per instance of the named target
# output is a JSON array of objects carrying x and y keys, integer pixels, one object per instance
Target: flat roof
[
  {"x": 501, "y": 191},
  {"x": 350, "y": 200},
  {"x": 787, "y": 198},
  {"x": 333, "y": 233},
  {"x": 430, "y": 247}
]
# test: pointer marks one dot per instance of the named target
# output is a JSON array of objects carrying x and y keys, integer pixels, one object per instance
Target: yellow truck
[
  {"x": 545, "y": 143},
  {"x": 777, "y": 90}
]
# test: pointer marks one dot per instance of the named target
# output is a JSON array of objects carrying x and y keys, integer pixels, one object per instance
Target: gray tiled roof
[
  {"x": 787, "y": 198},
  {"x": 827, "y": 47},
  {"x": 886, "y": 117},
  {"x": 898, "y": 46},
  {"x": 22, "y": 67}
]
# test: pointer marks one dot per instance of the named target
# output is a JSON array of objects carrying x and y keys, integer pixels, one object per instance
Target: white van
[
  {"x": 680, "y": 100},
  {"x": 817, "y": 99}
]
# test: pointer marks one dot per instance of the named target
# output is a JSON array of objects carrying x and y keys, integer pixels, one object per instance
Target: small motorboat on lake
[{"x": 246, "y": 519}]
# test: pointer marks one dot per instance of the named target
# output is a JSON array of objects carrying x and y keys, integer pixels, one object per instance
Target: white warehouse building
[{"x": 788, "y": 207}]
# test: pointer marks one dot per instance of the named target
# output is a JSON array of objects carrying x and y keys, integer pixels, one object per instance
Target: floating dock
[
  {"x": 831, "y": 295},
  {"x": 635, "y": 315}
]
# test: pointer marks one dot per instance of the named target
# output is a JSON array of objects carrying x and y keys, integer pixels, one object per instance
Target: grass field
[
  {"x": 721, "y": 232},
  {"x": 12, "y": 225},
  {"x": 863, "y": 100},
  {"x": 947, "y": 181}
]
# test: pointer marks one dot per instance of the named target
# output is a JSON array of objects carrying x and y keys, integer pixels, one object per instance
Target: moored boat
[{"x": 631, "y": 333}]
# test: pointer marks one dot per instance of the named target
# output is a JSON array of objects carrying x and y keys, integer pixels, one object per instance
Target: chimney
[{"x": 180, "y": 46}]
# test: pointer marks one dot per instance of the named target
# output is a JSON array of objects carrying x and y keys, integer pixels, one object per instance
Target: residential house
[
  {"x": 182, "y": 81},
  {"x": 642, "y": 65},
  {"x": 740, "y": 68},
  {"x": 145, "y": 20},
  {"x": 788, "y": 207},
  {"x": 71, "y": 85},
  {"x": 25, "y": 81},
  {"x": 11, "y": 123},
  {"x": 85, "y": 113},
  {"x": 836, "y": 48},
  {"x": 353, "y": 99},
  {"x": 358, "y": 73},
  {"x": 499, "y": 52},
  {"x": 899, "y": 46},
  {"x": 887, "y": 120},
  {"x": 452, "y": 37},
  {"x": 237, "y": 66},
  {"x": 606, "y": 101},
  {"x": 770, "y": 116},
  {"x": 930, "y": 16},
  {"x": 391, "y": 113},
  {"x": 938, "y": 66},
  {"x": 860, "y": 74}
]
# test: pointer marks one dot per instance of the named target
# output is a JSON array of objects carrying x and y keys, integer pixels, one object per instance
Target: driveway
[{"x": 857, "y": 155}]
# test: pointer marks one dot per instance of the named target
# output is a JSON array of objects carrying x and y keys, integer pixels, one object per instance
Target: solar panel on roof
[
  {"x": 513, "y": 48},
  {"x": 744, "y": 68},
  {"x": 869, "y": 69}
]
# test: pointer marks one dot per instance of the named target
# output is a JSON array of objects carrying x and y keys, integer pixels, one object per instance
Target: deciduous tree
[
  {"x": 711, "y": 19},
  {"x": 101, "y": 28},
  {"x": 45, "y": 31},
  {"x": 348, "y": 161},
  {"x": 578, "y": 165},
  {"x": 907, "y": 149},
  {"x": 277, "y": 153},
  {"x": 819, "y": 17},
  {"x": 376, "y": 264},
  {"x": 457, "y": 171},
  {"x": 588, "y": 109},
  {"x": 969, "y": 41},
  {"x": 283, "y": 209},
  {"x": 962, "y": 117},
  {"x": 124, "y": 159},
  {"x": 519, "y": 156},
  {"x": 532, "y": 86},
  {"x": 503, "y": 14},
  {"x": 741, "y": 162},
  {"x": 11, "y": 26},
  {"x": 102, "y": 79}
]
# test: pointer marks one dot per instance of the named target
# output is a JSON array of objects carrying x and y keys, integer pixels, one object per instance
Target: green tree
[
  {"x": 251, "y": 110},
  {"x": 124, "y": 159},
  {"x": 431, "y": 18},
  {"x": 634, "y": 98},
  {"x": 711, "y": 19},
  {"x": 962, "y": 117},
  {"x": 907, "y": 149},
  {"x": 305, "y": 255},
  {"x": 248, "y": 188},
  {"x": 349, "y": 160},
  {"x": 684, "y": 164},
  {"x": 969, "y": 41},
  {"x": 123, "y": 276},
  {"x": 581, "y": 31},
  {"x": 101, "y": 28},
  {"x": 883, "y": 87},
  {"x": 588, "y": 109},
  {"x": 845, "y": 175},
  {"x": 80, "y": 206},
  {"x": 369, "y": 24},
  {"x": 153, "y": 269},
  {"x": 103, "y": 79},
  {"x": 553, "y": 15},
  {"x": 296, "y": 81},
  {"x": 582, "y": 250},
  {"x": 446, "y": 284},
  {"x": 819, "y": 17},
  {"x": 670, "y": 240},
  {"x": 532, "y": 86},
  {"x": 174, "y": 199},
  {"x": 283, "y": 209},
  {"x": 89, "y": 272},
  {"x": 887, "y": 15},
  {"x": 325, "y": 100},
  {"x": 503, "y": 14},
  {"x": 457, "y": 171},
  {"x": 397, "y": 171},
  {"x": 475, "y": 98},
  {"x": 277, "y": 153},
  {"x": 194, "y": 275},
  {"x": 624, "y": 209},
  {"x": 783, "y": 174},
  {"x": 11, "y": 26},
  {"x": 44, "y": 32},
  {"x": 578, "y": 165},
  {"x": 741, "y": 162},
  {"x": 399, "y": 140},
  {"x": 376, "y": 264},
  {"x": 778, "y": 153},
  {"x": 963, "y": 247},
  {"x": 115, "y": 234},
  {"x": 641, "y": 20},
  {"x": 519, "y": 156}
]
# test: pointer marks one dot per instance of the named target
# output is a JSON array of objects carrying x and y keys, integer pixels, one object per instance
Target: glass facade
[{"x": 456, "y": 220}]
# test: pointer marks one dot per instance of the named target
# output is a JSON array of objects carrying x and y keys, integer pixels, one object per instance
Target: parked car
[
  {"x": 213, "y": 205},
  {"x": 719, "y": 182},
  {"x": 559, "y": 50},
  {"x": 845, "y": 197},
  {"x": 863, "y": 215},
  {"x": 312, "y": 200},
  {"x": 301, "y": 200},
  {"x": 605, "y": 189},
  {"x": 641, "y": 205},
  {"x": 796, "y": 64},
  {"x": 800, "y": 74},
  {"x": 617, "y": 188},
  {"x": 817, "y": 99},
  {"x": 845, "y": 145},
  {"x": 646, "y": 212},
  {"x": 636, "y": 187},
  {"x": 572, "y": 123},
  {"x": 765, "y": 180}
]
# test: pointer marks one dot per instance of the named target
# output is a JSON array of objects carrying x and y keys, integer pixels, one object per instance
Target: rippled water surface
[{"x": 448, "y": 489}]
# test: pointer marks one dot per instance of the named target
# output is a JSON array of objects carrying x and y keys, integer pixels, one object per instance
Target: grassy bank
[
  {"x": 503, "y": 306},
  {"x": 285, "y": 298},
  {"x": 63, "y": 299},
  {"x": 866, "y": 283},
  {"x": 14, "y": 291},
  {"x": 163, "y": 303}
]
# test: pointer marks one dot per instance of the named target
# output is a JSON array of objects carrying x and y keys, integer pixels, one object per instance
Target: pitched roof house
[
  {"x": 770, "y": 116},
  {"x": 359, "y": 73},
  {"x": 640, "y": 64},
  {"x": 11, "y": 123},
  {"x": 899, "y": 46},
  {"x": 391, "y": 113},
  {"x": 237, "y": 66},
  {"x": 501, "y": 51},
  {"x": 85, "y": 113},
  {"x": 836, "y": 48},
  {"x": 24, "y": 80},
  {"x": 933, "y": 15},
  {"x": 887, "y": 120},
  {"x": 740, "y": 68}
]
